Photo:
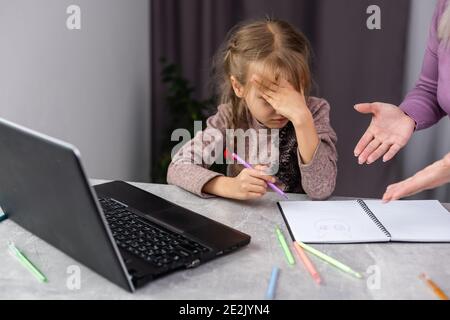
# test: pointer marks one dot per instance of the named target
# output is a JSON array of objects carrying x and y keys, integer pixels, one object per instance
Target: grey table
[{"x": 390, "y": 269}]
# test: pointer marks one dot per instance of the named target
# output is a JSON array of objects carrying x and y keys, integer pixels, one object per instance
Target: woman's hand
[
  {"x": 389, "y": 131},
  {"x": 249, "y": 184},
  {"x": 431, "y": 177},
  {"x": 284, "y": 98}
]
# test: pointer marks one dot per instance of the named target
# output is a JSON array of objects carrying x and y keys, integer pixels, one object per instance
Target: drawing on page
[{"x": 332, "y": 229}]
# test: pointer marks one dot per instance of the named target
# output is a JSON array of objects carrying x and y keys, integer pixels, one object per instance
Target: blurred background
[{"x": 137, "y": 69}]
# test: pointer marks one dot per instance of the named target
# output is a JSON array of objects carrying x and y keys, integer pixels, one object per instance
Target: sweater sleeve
[
  {"x": 189, "y": 168},
  {"x": 319, "y": 175},
  {"x": 421, "y": 103}
]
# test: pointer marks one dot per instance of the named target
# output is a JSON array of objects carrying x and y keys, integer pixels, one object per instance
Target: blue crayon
[{"x": 270, "y": 294}]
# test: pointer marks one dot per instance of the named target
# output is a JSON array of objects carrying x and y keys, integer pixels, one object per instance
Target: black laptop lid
[{"x": 44, "y": 189}]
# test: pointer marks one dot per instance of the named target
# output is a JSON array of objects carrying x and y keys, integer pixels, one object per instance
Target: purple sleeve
[{"x": 421, "y": 103}]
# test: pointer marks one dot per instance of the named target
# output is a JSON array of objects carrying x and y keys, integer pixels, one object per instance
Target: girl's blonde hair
[
  {"x": 273, "y": 47},
  {"x": 444, "y": 25}
]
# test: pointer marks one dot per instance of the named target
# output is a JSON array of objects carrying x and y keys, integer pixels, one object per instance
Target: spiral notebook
[{"x": 361, "y": 221}]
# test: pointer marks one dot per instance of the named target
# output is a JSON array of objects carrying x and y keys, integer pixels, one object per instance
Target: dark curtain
[{"x": 351, "y": 64}]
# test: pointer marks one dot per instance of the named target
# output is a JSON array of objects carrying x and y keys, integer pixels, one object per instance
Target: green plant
[{"x": 184, "y": 109}]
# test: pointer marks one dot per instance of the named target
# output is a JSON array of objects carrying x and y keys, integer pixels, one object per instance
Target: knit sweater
[{"x": 317, "y": 179}]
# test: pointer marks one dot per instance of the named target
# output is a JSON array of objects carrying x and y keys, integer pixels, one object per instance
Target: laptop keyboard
[{"x": 156, "y": 245}]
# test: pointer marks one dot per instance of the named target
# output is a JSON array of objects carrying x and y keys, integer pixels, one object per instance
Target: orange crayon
[{"x": 437, "y": 291}]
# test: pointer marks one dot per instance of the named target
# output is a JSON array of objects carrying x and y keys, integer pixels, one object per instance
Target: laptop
[{"x": 125, "y": 234}]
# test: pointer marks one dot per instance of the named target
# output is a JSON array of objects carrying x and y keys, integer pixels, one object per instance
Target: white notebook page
[
  {"x": 413, "y": 220},
  {"x": 330, "y": 222}
]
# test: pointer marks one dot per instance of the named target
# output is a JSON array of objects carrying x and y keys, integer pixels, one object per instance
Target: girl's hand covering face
[{"x": 283, "y": 97}]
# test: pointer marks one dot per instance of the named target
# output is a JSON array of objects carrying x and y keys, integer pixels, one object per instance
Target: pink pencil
[
  {"x": 308, "y": 264},
  {"x": 234, "y": 156}
]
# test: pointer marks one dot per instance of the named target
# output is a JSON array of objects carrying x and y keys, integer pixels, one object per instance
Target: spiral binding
[{"x": 373, "y": 217}]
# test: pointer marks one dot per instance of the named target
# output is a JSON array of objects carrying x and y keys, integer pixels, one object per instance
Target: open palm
[{"x": 388, "y": 132}]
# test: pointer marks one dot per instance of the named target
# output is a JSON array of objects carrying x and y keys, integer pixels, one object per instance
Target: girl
[{"x": 264, "y": 78}]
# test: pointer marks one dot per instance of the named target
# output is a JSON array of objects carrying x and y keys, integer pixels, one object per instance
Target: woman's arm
[
  {"x": 421, "y": 103},
  {"x": 431, "y": 177},
  {"x": 392, "y": 127}
]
